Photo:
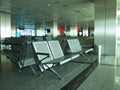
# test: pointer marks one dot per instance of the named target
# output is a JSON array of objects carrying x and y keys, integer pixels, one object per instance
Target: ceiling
[{"x": 66, "y": 12}]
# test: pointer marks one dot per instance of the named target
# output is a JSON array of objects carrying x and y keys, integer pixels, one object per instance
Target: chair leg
[
  {"x": 33, "y": 70},
  {"x": 52, "y": 70},
  {"x": 41, "y": 68}
]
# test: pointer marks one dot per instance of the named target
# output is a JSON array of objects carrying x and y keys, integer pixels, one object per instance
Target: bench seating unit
[
  {"x": 49, "y": 54},
  {"x": 20, "y": 52},
  {"x": 75, "y": 47}
]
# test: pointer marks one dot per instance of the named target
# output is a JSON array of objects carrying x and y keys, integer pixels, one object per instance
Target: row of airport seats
[
  {"x": 19, "y": 51},
  {"x": 87, "y": 41},
  {"x": 49, "y": 54},
  {"x": 45, "y": 54}
]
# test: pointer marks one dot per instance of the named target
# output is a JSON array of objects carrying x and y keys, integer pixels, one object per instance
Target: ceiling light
[
  {"x": 48, "y": 4},
  {"x": 65, "y": 6},
  {"x": 77, "y": 11},
  {"x": 18, "y": 8},
  {"x": 57, "y": 2}
]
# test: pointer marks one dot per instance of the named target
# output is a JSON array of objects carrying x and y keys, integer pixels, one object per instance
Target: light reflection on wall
[
  {"x": 5, "y": 25},
  {"x": 26, "y": 32}
]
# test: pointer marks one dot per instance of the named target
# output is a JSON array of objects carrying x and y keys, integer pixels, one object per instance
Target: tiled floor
[
  {"x": 109, "y": 60},
  {"x": 104, "y": 77}
]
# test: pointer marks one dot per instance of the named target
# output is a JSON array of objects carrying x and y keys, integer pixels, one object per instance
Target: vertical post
[{"x": 55, "y": 28}]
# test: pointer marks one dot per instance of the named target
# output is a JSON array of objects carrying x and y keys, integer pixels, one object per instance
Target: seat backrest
[
  {"x": 78, "y": 45},
  {"x": 56, "y": 49},
  {"x": 42, "y": 47},
  {"x": 74, "y": 45}
]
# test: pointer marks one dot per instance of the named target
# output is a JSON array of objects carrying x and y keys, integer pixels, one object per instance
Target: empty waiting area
[{"x": 41, "y": 56}]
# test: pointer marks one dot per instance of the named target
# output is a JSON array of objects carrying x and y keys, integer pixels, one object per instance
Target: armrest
[
  {"x": 47, "y": 55},
  {"x": 87, "y": 50}
]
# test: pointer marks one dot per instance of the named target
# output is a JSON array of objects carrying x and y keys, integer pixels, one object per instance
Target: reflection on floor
[
  {"x": 11, "y": 79},
  {"x": 105, "y": 77},
  {"x": 109, "y": 60}
]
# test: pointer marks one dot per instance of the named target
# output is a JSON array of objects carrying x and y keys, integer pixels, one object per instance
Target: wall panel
[{"x": 105, "y": 25}]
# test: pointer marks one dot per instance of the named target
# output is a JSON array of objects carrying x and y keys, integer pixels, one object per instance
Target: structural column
[
  {"x": 5, "y": 26},
  {"x": 55, "y": 28},
  {"x": 105, "y": 26}
]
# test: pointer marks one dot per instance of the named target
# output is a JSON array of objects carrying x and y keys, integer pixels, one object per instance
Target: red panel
[
  {"x": 61, "y": 30},
  {"x": 78, "y": 28}
]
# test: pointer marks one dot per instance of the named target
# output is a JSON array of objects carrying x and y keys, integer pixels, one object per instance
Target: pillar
[
  {"x": 105, "y": 26},
  {"x": 5, "y": 26},
  {"x": 55, "y": 28}
]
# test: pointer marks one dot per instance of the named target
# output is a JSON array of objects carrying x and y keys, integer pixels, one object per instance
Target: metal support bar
[
  {"x": 52, "y": 70},
  {"x": 33, "y": 70},
  {"x": 84, "y": 56},
  {"x": 41, "y": 68}
]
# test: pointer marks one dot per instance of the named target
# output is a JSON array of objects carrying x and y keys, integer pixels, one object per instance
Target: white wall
[
  {"x": 85, "y": 31},
  {"x": 41, "y": 32},
  {"x": 13, "y": 29},
  {"x": 73, "y": 31},
  {"x": 5, "y": 25}
]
